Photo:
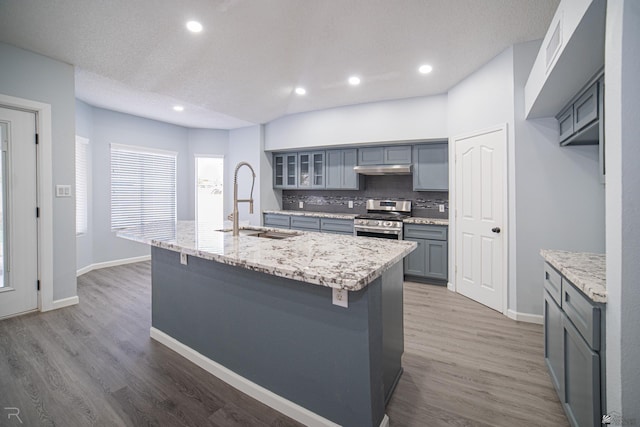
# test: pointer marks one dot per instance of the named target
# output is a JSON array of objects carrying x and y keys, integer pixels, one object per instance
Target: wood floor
[{"x": 94, "y": 364}]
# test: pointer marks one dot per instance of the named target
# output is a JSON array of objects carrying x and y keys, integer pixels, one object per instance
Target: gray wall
[
  {"x": 245, "y": 145},
  {"x": 559, "y": 200},
  {"x": 622, "y": 69},
  {"x": 112, "y": 127},
  {"x": 35, "y": 77},
  {"x": 555, "y": 199},
  {"x": 84, "y": 242},
  {"x": 406, "y": 119}
]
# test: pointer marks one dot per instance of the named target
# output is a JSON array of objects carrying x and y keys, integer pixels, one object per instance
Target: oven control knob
[
  {"x": 380, "y": 223},
  {"x": 387, "y": 224}
]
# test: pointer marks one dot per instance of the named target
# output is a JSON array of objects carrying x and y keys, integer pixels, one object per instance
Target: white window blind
[
  {"x": 143, "y": 186},
  {"x": 82, "y": 178}
]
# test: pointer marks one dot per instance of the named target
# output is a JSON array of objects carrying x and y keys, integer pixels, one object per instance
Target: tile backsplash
[{"x": 424, "y": 203}]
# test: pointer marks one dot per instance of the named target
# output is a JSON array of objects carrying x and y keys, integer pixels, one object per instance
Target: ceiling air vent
[{"x": 555, "y": 42}]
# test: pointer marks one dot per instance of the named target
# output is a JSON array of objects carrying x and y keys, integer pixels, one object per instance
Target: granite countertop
[
  {"x": 314, "y": 214},
  {"x": 333, "y": 260},
  {"x": 426, "y": 221},
  {"x": 410, "y": 220},
  {"x": 585, "y": 270}
]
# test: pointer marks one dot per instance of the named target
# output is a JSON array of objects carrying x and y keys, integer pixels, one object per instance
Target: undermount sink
[
  {"x": 265, "y": 234},
  {"x": 272, "y": 235}
]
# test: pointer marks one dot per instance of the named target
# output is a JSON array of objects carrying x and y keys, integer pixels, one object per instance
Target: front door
[
  {"x": 18, "y": 223},
  {"x": 480, "y": 241}
]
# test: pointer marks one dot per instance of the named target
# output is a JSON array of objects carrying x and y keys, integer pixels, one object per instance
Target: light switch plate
[
  {"x": 340, "y": 298},
  {"x": 301, "y": 205},
  {"x": 350, "y": 204},
  {"x": 441, "y": 208},
  {"x": 63, "y": 190}
]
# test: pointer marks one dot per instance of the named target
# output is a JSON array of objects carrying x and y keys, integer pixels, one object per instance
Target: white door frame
[
  {"x": 45, "y": 194},
  {"x": 505, "y": 208}
]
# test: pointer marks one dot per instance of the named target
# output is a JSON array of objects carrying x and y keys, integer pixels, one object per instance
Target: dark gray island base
[{"x": 286, "y": 335}]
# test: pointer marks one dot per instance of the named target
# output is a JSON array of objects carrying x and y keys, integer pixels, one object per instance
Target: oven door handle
[{"x": 377, "y": 230}]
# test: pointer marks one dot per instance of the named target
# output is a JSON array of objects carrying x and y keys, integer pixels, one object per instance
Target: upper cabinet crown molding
[{"x": 571, "y": 53}]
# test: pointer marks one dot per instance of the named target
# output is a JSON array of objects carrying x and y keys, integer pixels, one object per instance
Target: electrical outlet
[
  {"x": 441, "y": 208},
  {"x": 340, "y": 297},
  {"x": 63, "y": 191},
  {"x": 301, "y": 205},
  {"x": 350, "y": 204},
  {"x": 183, "y": 259}
]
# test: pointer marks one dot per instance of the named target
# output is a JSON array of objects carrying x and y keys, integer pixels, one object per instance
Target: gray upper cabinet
[
  {"x": 579, "y": 121},
  {"x": 311, "y": 170},
  {"x": 339, "y": 170},
  {"x": 285, "y": 170},
  {"x": 387, "y": 155},
  {"x": 431, "y": 167}
]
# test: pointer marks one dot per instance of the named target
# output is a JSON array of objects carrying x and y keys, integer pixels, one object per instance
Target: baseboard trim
[
  {"x": 113, "y": 263},
  {"x": 525, "y": 317},
  {"x": 451, "y": 287},
  {"x": 246, "y": 386},
  {"x": 64, "y": 302}
]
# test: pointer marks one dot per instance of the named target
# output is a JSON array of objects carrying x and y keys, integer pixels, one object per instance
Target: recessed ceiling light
[
  {"x": 178, "y": 108},
  {"x": 425, "y": 69},
  {"x": 301, "y": 90},
  {"x": 354, "y": 80},
  {"x": 194, "y": 26}
]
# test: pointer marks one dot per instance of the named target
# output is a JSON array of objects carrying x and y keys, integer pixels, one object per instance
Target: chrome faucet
[{"x": 235, "y": 196}]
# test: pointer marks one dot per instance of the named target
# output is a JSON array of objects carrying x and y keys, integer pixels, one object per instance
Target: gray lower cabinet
[
  {"x": 308, "y": 223},
  {"x": 339, "y": 170},
  {"x": 431, "y": 167},
  {"x": 336, "y": 226},
  {"x": 276, "y": 220},
  {"x": 305, "y": 223},
  {"x": 430, "y": 259},
  {"x": 574, "y": 349}
]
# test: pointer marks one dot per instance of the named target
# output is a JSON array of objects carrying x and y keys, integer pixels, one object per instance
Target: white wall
[
  {"x": 406, "y": 119},
  {"x": 112, "y": 127},
  {"x": 245, "y": 145},
  {"x": 84, "y": 242},
  {"x": 35, "y": 77},
  {"x": 622, "y": 68}
]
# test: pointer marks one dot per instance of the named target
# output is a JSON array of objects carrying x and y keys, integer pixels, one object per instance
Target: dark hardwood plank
[{"x": 94, "y": 364}]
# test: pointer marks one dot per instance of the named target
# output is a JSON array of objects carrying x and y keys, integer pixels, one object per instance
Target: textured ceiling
[{"x": 136, "y": 56}]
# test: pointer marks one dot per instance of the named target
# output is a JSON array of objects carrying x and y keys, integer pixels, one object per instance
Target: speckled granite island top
[
  {"x": 585, "y": 270},
  {"x": 336, "y": 261}
]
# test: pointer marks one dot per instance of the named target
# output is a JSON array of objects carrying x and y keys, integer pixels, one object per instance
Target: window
[
  {"x": 143, "y": 186},
  {"x": 82, "y": 180}
]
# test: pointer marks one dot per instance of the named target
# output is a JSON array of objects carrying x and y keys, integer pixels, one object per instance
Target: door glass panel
[
  {"x": 3, "y": 208},
  {"x": 304, "y": 178},
  {"x": 318, "y": 169},
  {"x": 279, "y": 170},
  {"x": 291, "y": 170}
]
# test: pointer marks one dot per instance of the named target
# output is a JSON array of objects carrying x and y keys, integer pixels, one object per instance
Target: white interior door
[
  {"x": 18, "y": 244},
  {"x": 481, "y": 174}
]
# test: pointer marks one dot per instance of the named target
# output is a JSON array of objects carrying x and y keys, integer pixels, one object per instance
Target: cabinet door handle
[{"x": 496, "y": 229}]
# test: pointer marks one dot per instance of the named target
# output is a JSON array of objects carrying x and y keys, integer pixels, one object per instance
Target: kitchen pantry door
[
  {"x": 19, "y": 240},
  {"x": 481, "y": 173}
]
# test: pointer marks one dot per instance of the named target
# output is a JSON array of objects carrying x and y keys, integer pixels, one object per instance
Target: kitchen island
[{"x": 259, "y": 313}]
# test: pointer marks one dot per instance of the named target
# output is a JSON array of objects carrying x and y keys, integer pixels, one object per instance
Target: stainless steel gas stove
[{"x": 383, "y": 219}]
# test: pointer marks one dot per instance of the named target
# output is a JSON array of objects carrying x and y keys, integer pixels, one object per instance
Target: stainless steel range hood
[{"x": 383, "y": 170}]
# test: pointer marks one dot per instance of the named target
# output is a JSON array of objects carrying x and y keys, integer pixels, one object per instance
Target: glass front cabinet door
[
  {"x": 291, "y": 161},
  {"x": 278, "y": 171},
  {"x": 318, "y": 168},
  {"x": 304, "y": 170}
]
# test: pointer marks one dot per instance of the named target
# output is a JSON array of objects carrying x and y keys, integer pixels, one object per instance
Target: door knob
[{"x": 496, "y": 229}]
